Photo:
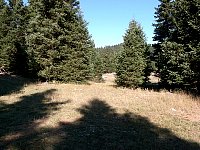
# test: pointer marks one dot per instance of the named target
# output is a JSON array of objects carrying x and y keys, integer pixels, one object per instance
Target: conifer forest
[{"x": 49, "y": 40}]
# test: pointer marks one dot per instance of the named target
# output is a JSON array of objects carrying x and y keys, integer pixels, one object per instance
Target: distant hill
[
  {"x": 108, "y": 49},
  {"x": 108, "y": 55}
]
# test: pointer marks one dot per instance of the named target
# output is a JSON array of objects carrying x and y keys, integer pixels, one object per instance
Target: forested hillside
[{"x": 108, "y": 55}]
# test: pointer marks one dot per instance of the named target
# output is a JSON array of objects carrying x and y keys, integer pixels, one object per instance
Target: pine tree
[
  {"x": 13, "y": 26},
  {"x": 163, "y": 26},
  {"x": 5, "y": 19},
  {"x": 187, "y": 22},
  {"x": 175, "y": 70},
  {"x": 169, "y": 54},
  {"x": 164, "y": 21},
  {"x": 131, "y": 62},
  {"x": 96, "y": 66},
  {"x": 18, "y": 58},
  {"x": 178, "y": 43},
  {"x": 58, "y": 41}
]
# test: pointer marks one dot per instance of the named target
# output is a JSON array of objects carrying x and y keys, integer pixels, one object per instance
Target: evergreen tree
[
  {"x": 163, "y": 26},
  {"x": 175, "y": 71},
  {"x": 58, "y": 41},
  {"x": 164, "y": 21},
  {"x": 5, "y": 19},
  {"x": 96, "y": 66},
  {"x": 131, "y": 62},
  {"x": 188, "y": 25},
  {"x": 18, "y": 58},
  {"x": 13, "y": 24},
  {"x": 178, "y": 44}
]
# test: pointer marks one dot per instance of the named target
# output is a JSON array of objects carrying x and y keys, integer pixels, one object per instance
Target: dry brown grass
[{"x": 178, "y": 112}]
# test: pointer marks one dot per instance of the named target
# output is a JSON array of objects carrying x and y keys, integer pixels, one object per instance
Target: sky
[{"x": 109, "y": 19}]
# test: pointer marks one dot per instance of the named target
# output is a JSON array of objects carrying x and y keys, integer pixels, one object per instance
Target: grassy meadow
[{"x": 96, "y": 116}]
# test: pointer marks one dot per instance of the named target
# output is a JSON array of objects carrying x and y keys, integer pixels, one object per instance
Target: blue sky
[{"x": 109, "y": 19}]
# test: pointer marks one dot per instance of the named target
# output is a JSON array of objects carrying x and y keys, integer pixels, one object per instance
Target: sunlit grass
[{"x": 37, "y": 110}]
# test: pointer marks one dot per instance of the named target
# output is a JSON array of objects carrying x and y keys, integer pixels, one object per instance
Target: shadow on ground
[
  {"x": 157, "y": 87},
  {"x": 10, "y": 84},
  {"x": 102, "y": 128},
  {"x": 152, "y": 86},
  {"x": 99, "y": 128},
  {"x": 19, "y": 121}
]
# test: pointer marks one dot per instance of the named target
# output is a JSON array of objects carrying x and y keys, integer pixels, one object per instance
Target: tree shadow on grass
[
  {"x": 101, "y": 127},
  {"x": 18, "y": 121},
  {"x": 157, "y": 87},
  {"x": 11, "y": 83},
  {"x": 152, "y": 86}
]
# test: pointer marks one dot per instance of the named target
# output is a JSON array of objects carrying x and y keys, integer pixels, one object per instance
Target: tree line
[
  {"x": 176, "y": 55},
  {"x": 49, "y": 40}
]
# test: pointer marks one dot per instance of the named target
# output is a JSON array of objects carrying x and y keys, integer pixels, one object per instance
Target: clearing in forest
[{"x": 95, "y": 116}]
